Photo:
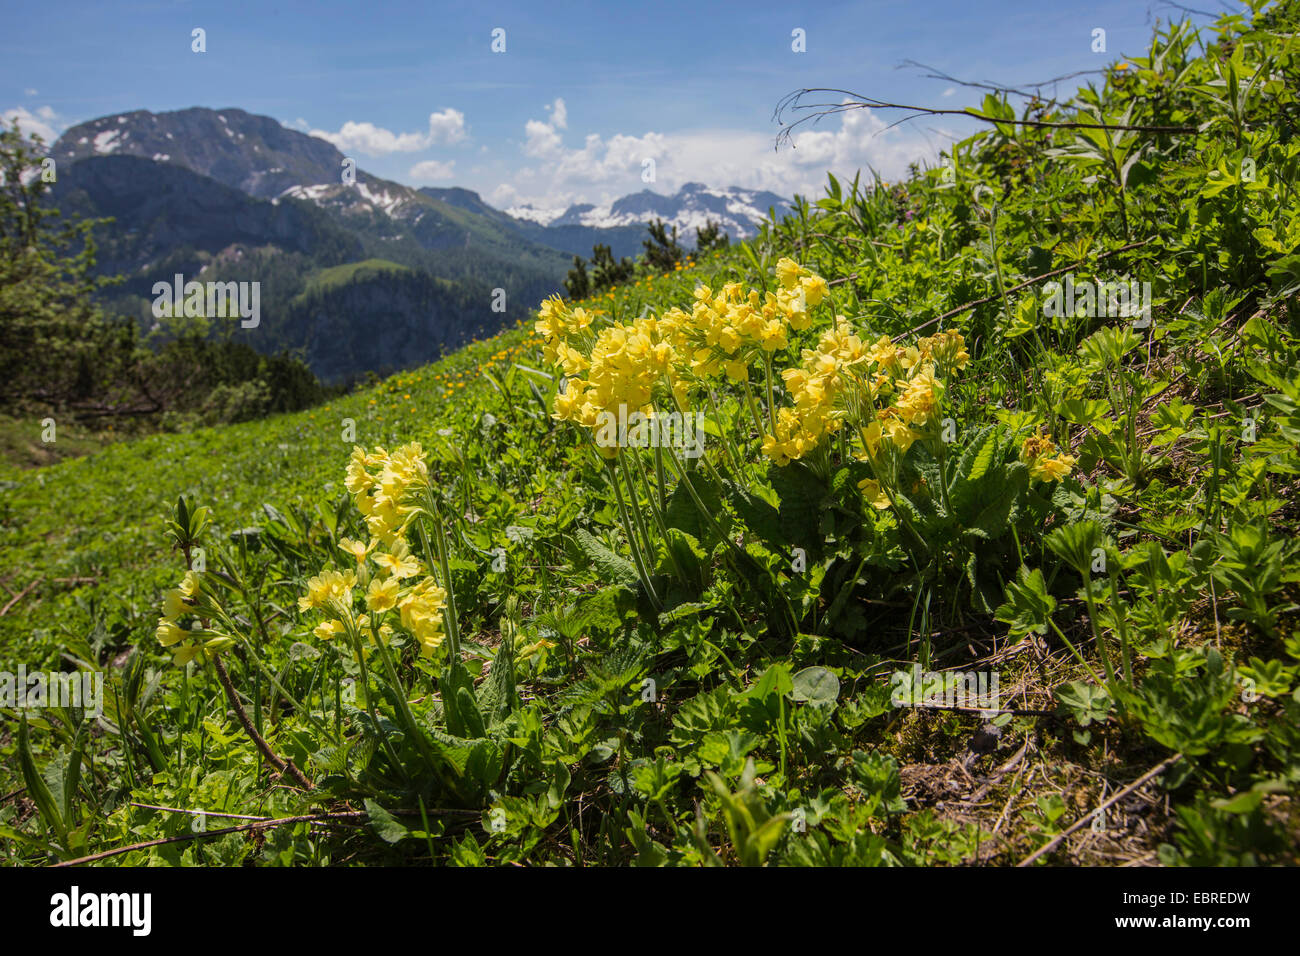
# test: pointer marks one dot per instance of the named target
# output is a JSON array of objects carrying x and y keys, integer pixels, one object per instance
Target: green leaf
[
  {"x": 610, "y": 566},
  {"x": 815, "y": 684},
  {"x": 1082, "y": 411},
  {"x": 1087, "y": 703},
  {"x": 775, "y": 680},
  {"x": 1074, "y": 544},
  {"x": 977, "y": 456},
  {"x": 72, "y": 778},
  {"x": 1245, "y": 802},
  {"x": 560, "y": 778},
  {"x": 386, "y": 826},
  {"x": 1028, "y": 604},
  {"x": 37, "y": 788}
]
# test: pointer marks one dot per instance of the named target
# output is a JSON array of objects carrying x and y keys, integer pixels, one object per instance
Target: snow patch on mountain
[
  {"x": 382, "y": 198},
  {"x": 310, "y": 193},
  {"x": 543, "y": 217},
  {"x": 106, "y": 142}
]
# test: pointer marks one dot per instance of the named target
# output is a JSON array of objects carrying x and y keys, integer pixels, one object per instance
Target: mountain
[
  {"x": 261, "y": 158},
  {"x": 253, "y": 154},
  {"x": 621, "y": 225},
  {"x": 161, "y": 210},
  {"x": 576, "y": 240},
  {"x": 738, "y": 211},
  {"x": 240, "y": 197}
]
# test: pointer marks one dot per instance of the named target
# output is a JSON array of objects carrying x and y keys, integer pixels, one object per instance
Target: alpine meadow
[{"x": 942, "y": 521}]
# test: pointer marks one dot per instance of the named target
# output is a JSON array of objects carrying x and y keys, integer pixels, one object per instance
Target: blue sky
[{"x": 583, "y": 94}]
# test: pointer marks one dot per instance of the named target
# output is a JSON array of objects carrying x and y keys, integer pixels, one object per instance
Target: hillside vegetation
[{"x": 966, "y": 565}]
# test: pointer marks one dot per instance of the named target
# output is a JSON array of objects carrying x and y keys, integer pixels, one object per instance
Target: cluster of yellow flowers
[
  {"x": 632, "y": 365},
  {"x": 1046, "y": 461},
  {"x": 729, "y": 329},
  {"x": 189, "y": 601},
  {"x": 627, "y": 365},
  {"x": 385, "y": 565},
  {"x": 383, "y": 497},
  {"x": 888, "y": 392}
]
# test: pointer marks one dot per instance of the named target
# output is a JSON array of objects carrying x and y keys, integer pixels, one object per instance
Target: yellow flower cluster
[
  {"x": 383, "y": 497},
  {"x": 885, "y": 392},
  {"x": 384, "y": 566},
  {"x": 557, "y": 323},
  {"x": 816, "y": 388},
  {"x": 627, "y": 364},
  {"x": 1046, "y": 461},
  {"x": 187, "y": 601},
  {"x": 632, "y": 365},
  {"x": 889, "y": 392}
]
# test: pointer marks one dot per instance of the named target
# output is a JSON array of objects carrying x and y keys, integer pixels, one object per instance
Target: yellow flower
[
  {"x": 1046, "y": 462},
  {"x": 186, "y": 653},
  {"x": 900, "y": 435},
  {"x": 772, "y": 336},
  {"x": 872, "y": 435},
  {"x": 169, "y": 632},
  {"x": 358, "y": 479},
  {"x": 788, "y": 272},
  {"x": 815, "y": 288},
  {"x": 326, "y": 587},
  {"x": 1051, "y": 468},
  {"x": 355, "y": 548},
  {"x": 328, "y": 630},
  {"x": 920, "y": 397},
  {"x": 775, "y": 450},
  {"x": 174, "y": 604},
  {"x": 948, "y": 349},
  {"x": 189, "y": 585},
  {"x": 871, "y": 490},
  {"x": 737, "y": 370},
  {"x": 382, "y": 594},
  {"x": 400, "y": 563},
  {"x": 536, "y": 647}
]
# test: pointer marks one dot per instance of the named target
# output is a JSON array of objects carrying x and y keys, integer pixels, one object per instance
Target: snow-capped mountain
[
  {"x": 254, "y": 154},
  {"x": 266, "y": 160},
  {"x": 199, "y": 189},
  {"x": 737, "y": 210}
]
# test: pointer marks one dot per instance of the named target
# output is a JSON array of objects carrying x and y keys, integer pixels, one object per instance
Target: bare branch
[
  {"x": 794, "y": 102},
  {"x": 937, "y": 74}
]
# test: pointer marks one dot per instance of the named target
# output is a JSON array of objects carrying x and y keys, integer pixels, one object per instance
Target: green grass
[
  {"x": 335, "y": 276},
  {"x": 23, "y": 444}
]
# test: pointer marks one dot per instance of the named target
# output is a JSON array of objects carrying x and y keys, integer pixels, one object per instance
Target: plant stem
[
  {"x": 631, "y": 539},
  {"x": 281, "y": 765}
]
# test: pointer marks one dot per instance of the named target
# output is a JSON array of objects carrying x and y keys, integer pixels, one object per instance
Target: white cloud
[
  {"x": 432, "y": 171},
  {"x": 446, "y": 127},
  {"x": 541, "y": 140},
  {"x": 504, "y": 195},
  {"x": 949, "y": 91},
  {"x": 44, "y": 122},
  {"x": 559, "y": 114},
  {"x": 603, "y": 169},
  {"x": 29, "y": 92}
]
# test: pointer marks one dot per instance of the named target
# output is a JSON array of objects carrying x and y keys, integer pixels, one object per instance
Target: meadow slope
[{"x": 975, "y": 567}]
